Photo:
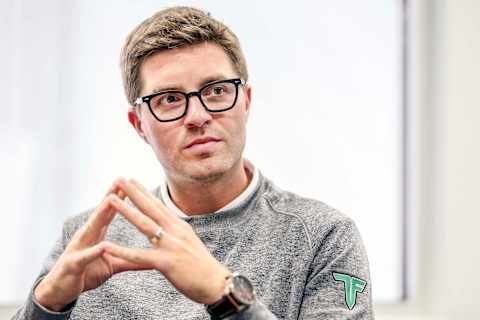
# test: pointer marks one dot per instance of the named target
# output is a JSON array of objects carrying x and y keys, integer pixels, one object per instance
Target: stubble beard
[{"x": 208, "y": 168}]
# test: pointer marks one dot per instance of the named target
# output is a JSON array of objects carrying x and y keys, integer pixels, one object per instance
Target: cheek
[
  {"x": 236, "y": 130},
  {"x": 163, "y": 139},
  {"x": 241, "y": 121}
]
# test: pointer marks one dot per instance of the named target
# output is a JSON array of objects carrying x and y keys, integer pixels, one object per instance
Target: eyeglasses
[{"x": 217, "y": 96}]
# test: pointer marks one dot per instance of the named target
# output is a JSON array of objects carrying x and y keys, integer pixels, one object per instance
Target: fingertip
[
  {"x": 115, "y": 185},
  {"x": 98, "y": 247},
  {"x": 101, "y": 247},
  {"x": 121, "y": 194}
]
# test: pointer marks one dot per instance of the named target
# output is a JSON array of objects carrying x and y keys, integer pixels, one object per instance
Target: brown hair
[{"x": 172, "y": 28}]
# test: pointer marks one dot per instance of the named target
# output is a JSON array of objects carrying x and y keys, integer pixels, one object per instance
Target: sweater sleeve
[
  {"x": 31, "y": 309},
  {"x": 338, "y": 285}
]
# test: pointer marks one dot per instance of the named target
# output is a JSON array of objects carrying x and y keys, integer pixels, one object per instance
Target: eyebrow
[{"x": 207, "y": 80}]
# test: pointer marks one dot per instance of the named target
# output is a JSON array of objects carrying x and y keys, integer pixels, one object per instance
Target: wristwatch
[{"x": 239, "y": 295}]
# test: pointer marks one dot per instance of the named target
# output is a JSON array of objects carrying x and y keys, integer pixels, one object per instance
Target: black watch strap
[
  {"x": 239, "y": 295},
  {"x": 224, "y": 308}
]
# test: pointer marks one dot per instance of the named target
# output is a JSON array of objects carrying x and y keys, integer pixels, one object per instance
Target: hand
[
  {"x": 179, "y": 255},
  {"x": 84, "y": 265}
]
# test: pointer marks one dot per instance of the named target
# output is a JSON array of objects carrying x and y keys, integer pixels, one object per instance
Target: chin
[{"x": 207, "y": 169}]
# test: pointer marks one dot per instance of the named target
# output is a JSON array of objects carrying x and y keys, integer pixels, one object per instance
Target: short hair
[{"x": 172, "y": 28}]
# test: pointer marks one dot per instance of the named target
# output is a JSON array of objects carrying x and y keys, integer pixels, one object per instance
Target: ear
[
  {"x": 135, "y": 121},
  {"x": 248, "y": 98}
]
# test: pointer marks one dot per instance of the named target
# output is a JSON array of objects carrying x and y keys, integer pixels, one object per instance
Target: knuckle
[
  {"x": 166, "y": 264},
  {"x": 136, "y": 257},
  {"x": 147, "y": 228},
  {"x": 185, "y": 225},
  {"x": 183, "y": 236},
  {"x": 178, "y": 244},
  {"x": 167, "y": 225},
  {"x": 111, "y": 199}
]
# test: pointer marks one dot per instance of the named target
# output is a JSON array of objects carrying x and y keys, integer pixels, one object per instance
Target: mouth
[{"x": 202, "y": 141}]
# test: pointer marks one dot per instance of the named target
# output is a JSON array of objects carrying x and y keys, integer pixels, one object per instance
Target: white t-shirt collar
[{"x": 234, "y": 203}]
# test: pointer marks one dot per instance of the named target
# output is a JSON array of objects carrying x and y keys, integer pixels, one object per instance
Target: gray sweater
[{"x": 305, "y": 260}]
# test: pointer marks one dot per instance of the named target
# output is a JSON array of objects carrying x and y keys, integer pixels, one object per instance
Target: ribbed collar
[{"x": 228, "y": 216}]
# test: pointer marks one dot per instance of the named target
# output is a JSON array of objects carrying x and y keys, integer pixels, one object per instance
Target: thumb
[
  {"x": 85, "y": 257},
  {"x": 121, "y": 265}
]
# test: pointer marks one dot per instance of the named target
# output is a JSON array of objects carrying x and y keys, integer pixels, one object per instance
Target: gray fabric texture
[{"x": 288, "y": 246}]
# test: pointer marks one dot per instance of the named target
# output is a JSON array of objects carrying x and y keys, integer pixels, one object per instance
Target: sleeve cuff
[{"x": 256, "y": 311}]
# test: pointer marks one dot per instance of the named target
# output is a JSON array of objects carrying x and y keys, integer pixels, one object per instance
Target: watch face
[{"x": 243, "y": 290}]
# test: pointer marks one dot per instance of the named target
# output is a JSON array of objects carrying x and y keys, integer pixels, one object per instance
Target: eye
[
  {"x": 218, "y": 90},
  {"x": 169, "y": 98}
]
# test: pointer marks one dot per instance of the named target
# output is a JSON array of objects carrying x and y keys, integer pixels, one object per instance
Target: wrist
[
  {"x": 220, "y": 287},
  {"x": 44, "y": 294}
]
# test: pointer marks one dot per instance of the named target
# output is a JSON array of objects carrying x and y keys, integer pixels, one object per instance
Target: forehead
[{"x": 185, "y": 67}]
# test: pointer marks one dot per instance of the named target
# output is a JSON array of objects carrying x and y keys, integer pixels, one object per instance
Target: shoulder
[{"x": 317, "y": 218}]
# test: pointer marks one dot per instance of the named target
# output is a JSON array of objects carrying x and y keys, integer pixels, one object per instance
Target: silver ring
[{"x": 155, "y": 240}]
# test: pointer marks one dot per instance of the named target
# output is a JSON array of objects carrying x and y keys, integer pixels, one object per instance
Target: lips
[{"x": 202, "y": 140}]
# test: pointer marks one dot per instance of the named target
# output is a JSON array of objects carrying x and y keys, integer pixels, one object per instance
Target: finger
[
  {"x": 142, "y": 222},
  {"x": 121, "y": 265},
  {"x": 144, "y": 203},
  {"x": 110, "y": 215},
  {"x": 82, "y": 258},
  {"x": 141, "y": 257},
  {"x": 114, "y": 185},
  {"x": 96, "y": 226},
  {"x": 105, "y": 214},
  {"x": 154, "y": 199},
  {"x": 98, "y": 222}
]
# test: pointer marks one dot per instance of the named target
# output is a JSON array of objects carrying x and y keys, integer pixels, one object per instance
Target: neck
[{"x": 200, "y": 197}]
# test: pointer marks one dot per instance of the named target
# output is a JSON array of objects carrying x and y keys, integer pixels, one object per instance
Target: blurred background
[{"x": 368, "y": 106}]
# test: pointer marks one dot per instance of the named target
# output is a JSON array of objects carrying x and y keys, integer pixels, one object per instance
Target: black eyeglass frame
[{"x": 187, "y": 95}]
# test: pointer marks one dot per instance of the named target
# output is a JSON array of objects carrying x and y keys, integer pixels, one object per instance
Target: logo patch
[{"x": 351, "y": 285}]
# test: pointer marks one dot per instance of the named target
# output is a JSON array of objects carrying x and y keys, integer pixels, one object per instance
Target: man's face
[{"x": 188, "y": 69}]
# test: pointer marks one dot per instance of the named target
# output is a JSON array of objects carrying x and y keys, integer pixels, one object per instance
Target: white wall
[
  {"x": 445, "y": 95},
  {"x": 462, "y": 160}
]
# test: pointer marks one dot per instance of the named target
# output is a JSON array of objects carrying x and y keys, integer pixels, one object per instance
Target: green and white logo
[{"x": 351, "y": 285}]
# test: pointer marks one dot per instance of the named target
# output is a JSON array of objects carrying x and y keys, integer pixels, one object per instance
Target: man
[{"x": 217, "y": 239}]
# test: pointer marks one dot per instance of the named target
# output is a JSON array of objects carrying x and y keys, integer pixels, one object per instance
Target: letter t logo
[{"x": 351, "y": 285}]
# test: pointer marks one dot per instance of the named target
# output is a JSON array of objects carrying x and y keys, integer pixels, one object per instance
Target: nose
[{"x": 197, "y": 115}]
